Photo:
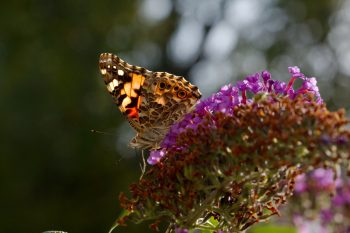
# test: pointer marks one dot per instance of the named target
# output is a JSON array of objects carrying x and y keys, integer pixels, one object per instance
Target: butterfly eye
[
  {"x": 162, "y": 85},
  {"x": 181, "y": 94}
]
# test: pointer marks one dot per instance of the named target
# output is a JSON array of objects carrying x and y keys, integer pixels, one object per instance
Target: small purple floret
[
  {"x": 279, "y": 87},
  {"x": 266, "y": 76},
  {"x": 295, "y": 72},
  {"x": 242, "y": 85},
  {"x": 155, "y": 156},
  {"x": 253, "y": 78}
]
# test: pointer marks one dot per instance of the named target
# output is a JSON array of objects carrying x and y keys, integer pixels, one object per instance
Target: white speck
[
  {"x": 114, "y": 67},
  {"x": 120, "y": 73}
]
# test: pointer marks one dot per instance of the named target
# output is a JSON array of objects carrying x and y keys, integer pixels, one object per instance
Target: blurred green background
[{"x": 55, "y": 173}]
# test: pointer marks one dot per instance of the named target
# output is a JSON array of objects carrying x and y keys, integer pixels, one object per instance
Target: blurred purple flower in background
[
  {"x": 342, "y": 196},
  {"x": 330, "y": 198}
]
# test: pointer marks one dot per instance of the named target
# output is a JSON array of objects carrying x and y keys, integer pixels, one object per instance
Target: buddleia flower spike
[{"x": 233, "y": 161}]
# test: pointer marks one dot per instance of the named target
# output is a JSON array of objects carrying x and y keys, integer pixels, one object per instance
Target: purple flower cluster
[{"x": 230, "y": 96}]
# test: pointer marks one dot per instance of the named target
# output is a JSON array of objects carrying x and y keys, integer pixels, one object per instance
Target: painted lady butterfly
[{"x": 152, "y": 101}]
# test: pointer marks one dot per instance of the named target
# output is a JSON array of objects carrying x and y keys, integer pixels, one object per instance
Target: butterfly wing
[{"x": 152, "y": 101}]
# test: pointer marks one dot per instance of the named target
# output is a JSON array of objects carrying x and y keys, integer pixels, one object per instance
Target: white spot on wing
[
  {"x": 120, "y": 73},
  {"x": 126, "y": 101},
  {"x": 103, "y": 71},
  {"x": 115, "y": 82},
  {"x": 110, "y": 87}
]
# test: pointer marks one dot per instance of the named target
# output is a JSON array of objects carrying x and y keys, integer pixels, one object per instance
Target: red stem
[
  {"x": 244, "y": 97},
  {"x": 291, "y": 81}
]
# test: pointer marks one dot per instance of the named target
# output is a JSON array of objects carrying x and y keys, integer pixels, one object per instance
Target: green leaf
[{"x": 272, "y": 229}]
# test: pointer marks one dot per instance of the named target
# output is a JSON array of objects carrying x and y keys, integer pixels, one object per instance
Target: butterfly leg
[{"x": 143, "y": 165}]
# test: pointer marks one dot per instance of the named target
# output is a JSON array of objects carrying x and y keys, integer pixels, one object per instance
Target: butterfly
[{"x": 151, "y": 101}]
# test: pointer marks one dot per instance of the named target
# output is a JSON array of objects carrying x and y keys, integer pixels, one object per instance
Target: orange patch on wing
[
  {"x": 139, "y": 101},
  {"x": 158, "y": 91},
  {"x": 133, "y": 93},
  {"x": 132, "y": 113},
  {"x": 127, "y": 89},
  {"x": 137, "y": 81},
  {"x": 160, "y": 100}
]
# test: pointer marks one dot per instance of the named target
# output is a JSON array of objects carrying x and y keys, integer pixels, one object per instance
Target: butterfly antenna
[
  {"x": 100, "y": 132},
  {"x": 143, "y": 165}
]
